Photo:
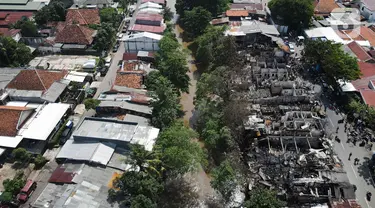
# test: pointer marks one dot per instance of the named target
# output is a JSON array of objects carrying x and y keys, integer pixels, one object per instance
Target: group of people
[{"x": 356, "y": 160}]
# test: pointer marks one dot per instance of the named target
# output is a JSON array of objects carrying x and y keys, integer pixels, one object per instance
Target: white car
[
  {"x": 291, "y": 48},
  {"x": 108, "y": 61}
]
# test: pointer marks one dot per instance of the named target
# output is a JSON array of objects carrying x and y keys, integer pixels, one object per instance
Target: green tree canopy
[
  {"x": 224, "y": 179},
  {"x": 110, "y": 15},
  {"x": 13, "y": 186},
  {"x": 332, "y": 59},
  {"x": 195, "y": 22},
  {"x": 145, "y": 161},
  {"x": 216, "y": 7},
  {"x": 165, "y": 104},
  {"x": 294, "y": 13},
  {"x": 91, "y": 103},
  {"x": 21, "y": 155},
  {"x": 54, "y": 11},
  {"x": 141, "y": 201},
  {"x": 105, "y": 37},
  {"x": 13, "y": 54},
  {"x": 28, "y": 28},
  {"x": 179, "y": 152},
  {"x": 263, "y": 198},
  {"x": 167, "y": 14}
]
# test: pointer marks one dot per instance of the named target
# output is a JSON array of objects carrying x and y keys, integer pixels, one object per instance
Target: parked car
[
  {"x": 65, "y": 135},
  {"x": 108, "y": 61},
  {"x": 291, "y": 48},
  {"x": 115, "y": 48},
  {"x": 26, "y": 191}
]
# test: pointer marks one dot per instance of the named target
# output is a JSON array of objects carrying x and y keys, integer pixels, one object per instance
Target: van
[{"x": 26, "y": 191}]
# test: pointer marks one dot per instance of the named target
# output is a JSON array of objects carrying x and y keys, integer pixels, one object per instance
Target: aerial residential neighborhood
[{"x": 187, "y": 103}]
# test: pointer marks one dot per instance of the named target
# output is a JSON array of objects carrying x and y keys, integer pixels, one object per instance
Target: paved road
[
  {"x": 109, "y": 78},
  {"x": 358, "y": 175}
]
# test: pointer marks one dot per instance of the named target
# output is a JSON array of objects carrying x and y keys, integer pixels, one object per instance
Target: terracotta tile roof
[
  {"x": 9, "y": 120},
  {"x": 9, "y": 32},
  {"x": 372, "y": 53},
  {"x": 361, "y": 54},
  {"x": 148, "y": 28},
  {"x": 60, "y": 26},
  {"x": 35, "y": 79},
  {"x": 75, "y": 34},
  {"x": 350, "y": 35},
  {"x": 129, "y": 56},
  {"x": 149, "y": 17},
  {"x": 368, "y": 34},
  {"x": 237, "y": 13},
  {"x": 325, "y": 6},
  {"x": 10, "y": 17},
  {"x": 129, "y": 79},
  {"x": 368, "y": 97},
  {"x": 367, "y": 69},
  {"x": 82, "y": 16}
]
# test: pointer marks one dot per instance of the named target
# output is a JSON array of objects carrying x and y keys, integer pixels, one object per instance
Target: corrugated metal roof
[
  {"x": 141, "y": 35},
  {"x": 54, "y": 92},
  {"x": 11, "y": 142},
  {"x": 45, "y": 121}
]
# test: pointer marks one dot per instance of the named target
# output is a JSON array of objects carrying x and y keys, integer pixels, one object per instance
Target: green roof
[
  {"x": 30, "y": 6},
  {"x": 13, "y": 2}
]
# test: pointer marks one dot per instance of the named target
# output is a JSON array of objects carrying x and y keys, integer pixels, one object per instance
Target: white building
[
  {"x": 142, "y": 42},
  {"x": 367, "y": 9}
]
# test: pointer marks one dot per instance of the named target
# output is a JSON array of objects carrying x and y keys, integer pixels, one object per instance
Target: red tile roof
[
  {"x": 9, "y": 32},
  {"x": 325, "y": 6},
  {"x": 368, "y": 34},
  {"x": 368, "y": 97},
  {"x": 75, "y": 34},
  {"x": 350, "y": 35},
  {"x": 82, "y": 16},
  {"x": 35, "y": 79},
  {"x": 237, "y": 13},
  {"x": 148, "y": 28},
  {"x": 7, "y": 18},
  {"x": 154, "y": 1},
  {"x": 129, "y": 56},
  {"x": 149, "y": 17},
  {"x": 60, "y": 175},
  {"x": 367, "y": 69},
  {"x": 9, "y": 120},
  {"x": 129, "y": 79},
  {"x": 361, "y": 54}
]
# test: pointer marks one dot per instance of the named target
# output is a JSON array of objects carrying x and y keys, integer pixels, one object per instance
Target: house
[
  {"x": 149, "y": 19},
  {"x": 22, "y": 124},
  {"x": 150, "y": 5},
  {"x": 21, "y": 5},
  {"x": 161, "y": 2},
  {"x": 220, "y": 21},
  {"x": 148, "y": 28},
  {"x": 15, "y": 34},
  {"x": 37, "y": 86},
  {"x": 141, "y": 42},
  {"x": 360, "y": 53},
  {"x": 236, "y": 15},
  {"x": 324, "y": 7},
  {"x": 75, "y": 37},
  {"x": 93, "y": 3},
  {"x": 7, "y": 18},
  {"x": 367, "y": 9},
  {"x": 82, "y": 17}
]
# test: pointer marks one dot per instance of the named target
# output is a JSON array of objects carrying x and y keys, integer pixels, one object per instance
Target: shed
[{"x": 142, "y": 42}]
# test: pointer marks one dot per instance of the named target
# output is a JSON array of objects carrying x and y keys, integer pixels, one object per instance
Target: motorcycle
[{"x": 368, "y": 196}]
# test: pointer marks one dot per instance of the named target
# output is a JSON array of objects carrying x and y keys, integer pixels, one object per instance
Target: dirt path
[{"x": 199, "y": 178}]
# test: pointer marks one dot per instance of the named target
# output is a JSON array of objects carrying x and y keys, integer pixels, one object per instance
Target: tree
[
  {"x": 294, "y": 13},
  {"x": 13, "y": 54},
  {"x": 145, "y": 161},
  {"x": 13, "y": 186},
  {"x": 224, "y": 179},
  {"x": 54, "y": 11},
  {"x": 195, "y": 22},
  {"x": 91, "y": 103},
  {"x": 171, "y": 62},
  {"x": 332, "y": 59},
  {"x": 141, "y": 201},
  {"x": 216, "y": 7},
  {"x": 131, "y": 184},
  {"x": 178, "y": 152},
  {"x": 105, "y": 37},
  {"x": 110, "y": 15},
  {"x": 263, "y": 198},
  {"x": 214, "y": 83},
  {"x": 21, "y": 155},
  {"x": 165, "y": 104},
  {"x": 28, "y": 28},
  {"x": 167, "y": 14},
  {"x": 6, "y": 197},
  {"x": 151, "y": 81},
  {"x": 39, "y": 161}
]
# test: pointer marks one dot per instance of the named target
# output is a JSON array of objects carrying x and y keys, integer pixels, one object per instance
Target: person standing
[{"x": 350, "y": 154}]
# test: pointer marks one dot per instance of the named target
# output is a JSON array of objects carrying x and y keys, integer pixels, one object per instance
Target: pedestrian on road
[
  {"x": 356, "y": 161},
  {"x": 337, "y": 130},
  {"x": 350, "y": 154}
]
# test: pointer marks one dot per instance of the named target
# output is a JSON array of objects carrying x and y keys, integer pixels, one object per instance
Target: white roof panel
[
  {"x": 103, "y": 153},
  {"x": 45, "y": 121},
  {"x": 11, "y": 142},
  {"x": 141, "y": 35},
  {"x": 150, "y": 5}
]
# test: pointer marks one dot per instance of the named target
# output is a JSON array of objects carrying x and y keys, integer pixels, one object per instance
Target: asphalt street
[{"x": 358, "y": 175}]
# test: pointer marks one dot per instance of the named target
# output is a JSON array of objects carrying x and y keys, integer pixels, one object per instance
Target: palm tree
[{"x": 145, "y": 161}]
